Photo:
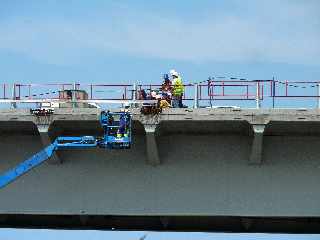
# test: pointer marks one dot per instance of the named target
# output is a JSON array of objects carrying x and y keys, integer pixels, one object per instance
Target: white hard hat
[{"x": 174, "y": 73}]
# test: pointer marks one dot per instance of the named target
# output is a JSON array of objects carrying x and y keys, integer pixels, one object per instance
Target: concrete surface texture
[{"x": 203, "y": 162}]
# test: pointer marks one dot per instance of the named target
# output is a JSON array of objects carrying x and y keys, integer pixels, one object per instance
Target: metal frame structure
[{"x": 263, "y": 92}]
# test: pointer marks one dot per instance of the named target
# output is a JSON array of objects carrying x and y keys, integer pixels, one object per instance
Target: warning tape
[
  {"x": 41, "y": 94},
  {"x": 294, "y": 85},
  {"x": 219, "y": 77}
]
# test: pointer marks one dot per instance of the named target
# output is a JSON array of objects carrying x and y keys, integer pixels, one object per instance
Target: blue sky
[{"x": 126, "y": 41}]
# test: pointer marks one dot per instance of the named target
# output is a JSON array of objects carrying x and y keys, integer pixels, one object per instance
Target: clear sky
[{"x": 126, "y": 41}]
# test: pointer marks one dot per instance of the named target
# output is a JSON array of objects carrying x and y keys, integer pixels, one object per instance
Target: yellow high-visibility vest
[{"x": 178, "y": 87}]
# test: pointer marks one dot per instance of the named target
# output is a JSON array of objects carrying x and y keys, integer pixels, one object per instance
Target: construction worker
[
  {"x": 110, "y": 120},
  {"x": 166, "y": 88},
  {"x": 127, "y": 116},
  {"x": 178, "y": 89},
  {"x": 122, "y": 126}
]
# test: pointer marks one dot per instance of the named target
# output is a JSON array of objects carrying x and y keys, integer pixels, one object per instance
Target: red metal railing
[
  {"x": 233, "y": 90},
  {"x": 265, "y": 92},
  {"x": 39, "y": 91},
  {"x": 296, "y": 89},
  {"x": 109, "y": 91}
]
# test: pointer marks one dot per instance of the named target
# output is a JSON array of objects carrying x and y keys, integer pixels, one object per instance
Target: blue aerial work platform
[{"x": 116, "y": 134}]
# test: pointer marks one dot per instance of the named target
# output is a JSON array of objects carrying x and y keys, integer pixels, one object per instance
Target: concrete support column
[
  {"x": 257, "y": 144},
  {"x": 151, "y": 145},
  {"x": 45, "y": 139}
]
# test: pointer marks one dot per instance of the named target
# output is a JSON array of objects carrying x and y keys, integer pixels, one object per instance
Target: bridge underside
[{"x": 205, "y": 181}]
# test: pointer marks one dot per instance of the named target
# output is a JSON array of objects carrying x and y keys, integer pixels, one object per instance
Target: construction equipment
[
  {"x": 116, "y": 135},
  {"x": 151, "y": 109},
  {"x": 41, "y": 111}
]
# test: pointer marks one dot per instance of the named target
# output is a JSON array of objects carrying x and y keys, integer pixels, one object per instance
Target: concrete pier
[
  {"x": 188, "y": 169},
  {"x": 257, "y": 144}
]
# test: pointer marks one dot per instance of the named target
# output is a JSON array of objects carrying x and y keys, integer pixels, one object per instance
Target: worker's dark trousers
[
  {"x": 175, "y": 102},
  {"x": 180, "y": 102}
]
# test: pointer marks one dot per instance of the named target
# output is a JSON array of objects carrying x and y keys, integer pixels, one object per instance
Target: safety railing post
[
  {"x": 74, "y": 97},
  {"x": 273, "y": 92},
  {"x": 29, "y": 91},
  {"x": 134, "y": 95},
  {"x": 134, "y": 92},
  {"x": 257, "y": 95},
  {"x": 318, "y": 95},
  {"x": 13, "y": 104},
  {"x": 196, "y": 97},
  {"x": 4, "y": 91}
]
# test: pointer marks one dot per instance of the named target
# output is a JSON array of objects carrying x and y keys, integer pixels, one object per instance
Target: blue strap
[{"x": 27, "y": 165}]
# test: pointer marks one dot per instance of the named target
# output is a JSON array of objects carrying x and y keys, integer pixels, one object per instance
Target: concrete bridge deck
[{"x": 188, "y": 169}]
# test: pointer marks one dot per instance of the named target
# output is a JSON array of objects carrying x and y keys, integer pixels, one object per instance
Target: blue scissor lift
[{"x": 116, "y": 135}]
